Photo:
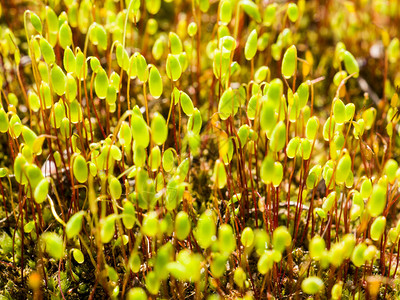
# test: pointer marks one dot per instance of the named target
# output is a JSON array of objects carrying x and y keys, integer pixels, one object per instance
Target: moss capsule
[
  {"x": 155, "y": 83},
  {"x": 173, "y": 68},
  {"x": 351, "y": 64},
  {"x": 281, "y": 238},
  {"x": 377, "y": 201},
  {"x": 182, "y": 225},
  {"x": 80, "y": 169},
  {"x": 251, "y": 9},
  {"x": 107, "y": 229},
  {"x": 140, "y": 132},
  {"x": 206, "y": 229},
  {"x": 101, "y": 84},
  {"x": 58, "y": 80},
  {"x": 312, "y": 285},
  {"x": 289, "y": 62},
  {"x": 377, "y": 228},
  {"x": 74, "y": 224},
  {"x": 47, "y": 51},
  {"x": 250, "y": 48}
]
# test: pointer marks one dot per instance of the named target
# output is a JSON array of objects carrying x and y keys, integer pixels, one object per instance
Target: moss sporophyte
[{"x": 199, "y": 149}]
